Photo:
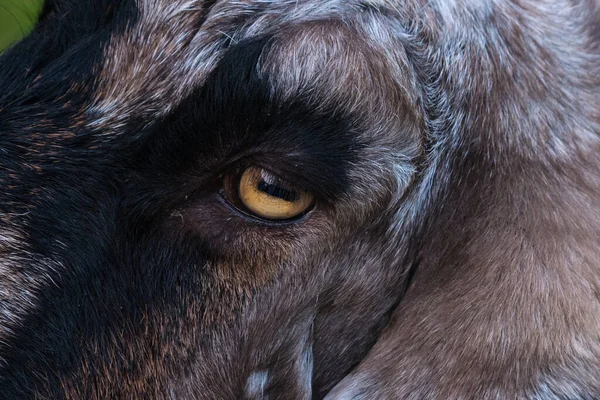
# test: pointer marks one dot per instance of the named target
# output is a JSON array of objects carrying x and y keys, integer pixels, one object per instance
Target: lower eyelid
[{"x": 251, "y": 218}]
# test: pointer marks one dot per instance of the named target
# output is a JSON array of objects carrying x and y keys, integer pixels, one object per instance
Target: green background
[{"x": 17, "y": 19}]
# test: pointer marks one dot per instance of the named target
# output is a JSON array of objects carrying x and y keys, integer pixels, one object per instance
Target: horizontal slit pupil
[{"x": 278, "y": 191}]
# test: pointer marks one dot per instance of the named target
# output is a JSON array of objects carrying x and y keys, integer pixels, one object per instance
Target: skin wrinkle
[{"x": 198, "y": 55}]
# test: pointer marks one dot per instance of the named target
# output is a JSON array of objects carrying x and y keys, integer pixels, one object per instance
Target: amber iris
[{"x": 267, "y": 196}]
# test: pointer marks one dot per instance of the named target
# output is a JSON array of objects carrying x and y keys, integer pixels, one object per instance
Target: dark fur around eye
[{"x": 233, "y": 118}]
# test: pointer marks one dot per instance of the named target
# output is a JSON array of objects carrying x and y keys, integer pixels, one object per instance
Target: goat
[{"x": 294, "y": 199}]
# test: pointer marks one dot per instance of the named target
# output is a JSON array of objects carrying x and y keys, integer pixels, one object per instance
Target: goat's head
[{"x": 226, "y": 199}]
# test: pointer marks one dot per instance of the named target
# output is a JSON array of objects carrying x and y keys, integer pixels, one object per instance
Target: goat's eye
[{"x": 265, "y": 195}]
